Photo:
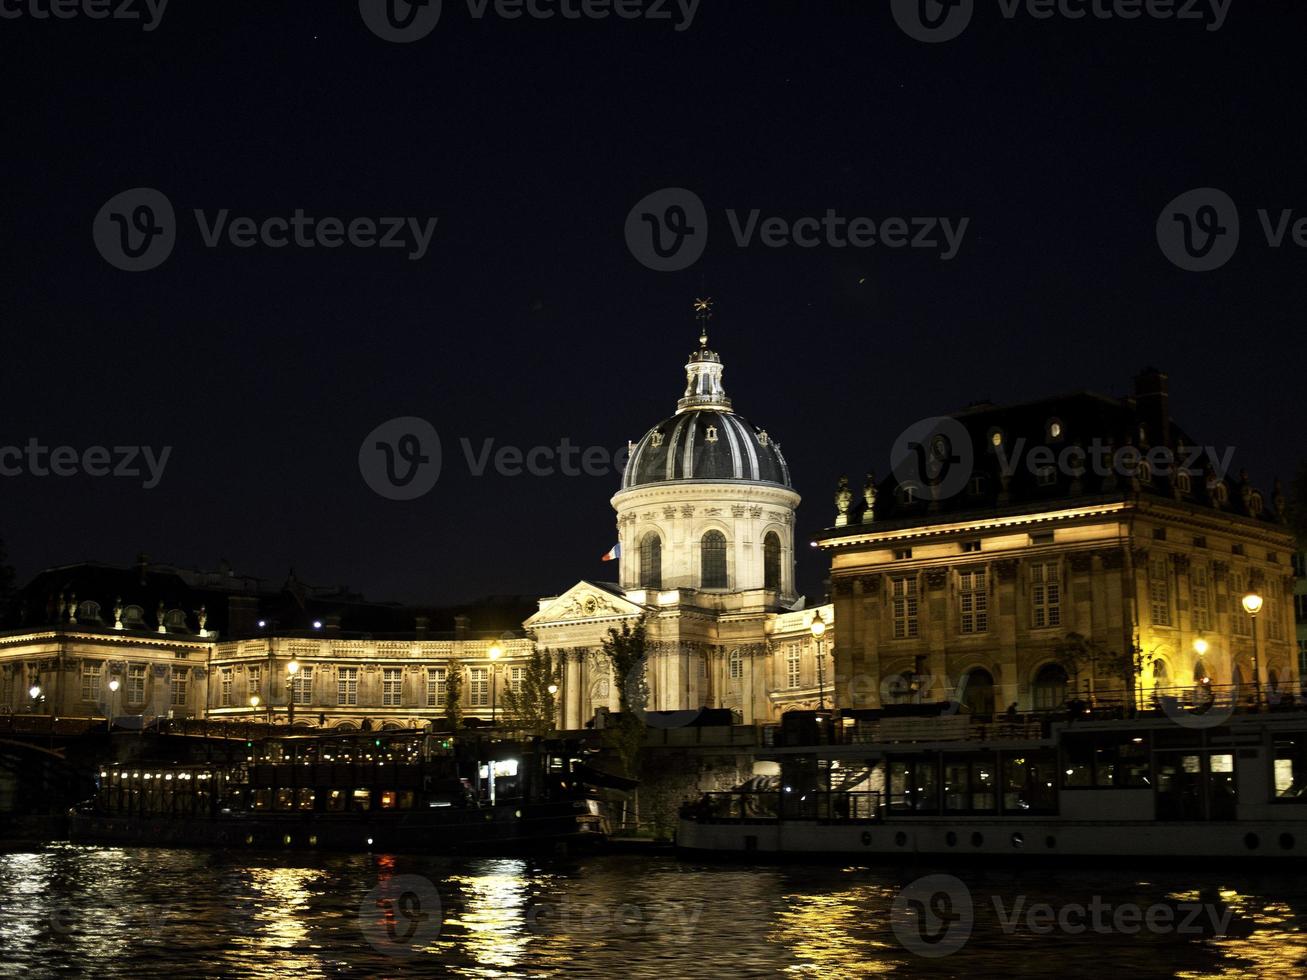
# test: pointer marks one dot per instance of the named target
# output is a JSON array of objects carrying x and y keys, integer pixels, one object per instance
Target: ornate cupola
[{"x": 703, "y": 374}]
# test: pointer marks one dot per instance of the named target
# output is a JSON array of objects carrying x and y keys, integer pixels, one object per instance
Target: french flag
[{"x": 614, "y": 552}]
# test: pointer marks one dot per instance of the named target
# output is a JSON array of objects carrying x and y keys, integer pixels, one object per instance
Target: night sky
[{"x": 529, "y": 319}]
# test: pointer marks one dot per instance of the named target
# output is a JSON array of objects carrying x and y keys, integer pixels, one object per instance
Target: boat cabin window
[
  {"x": 261, "y": 799},
  {"x": 970, "y": 784},
  {"x": 392, "y": 800},
  {"x": 1030, "y": 782},
  {"x": 1195, "y": 786},
  {"x": 362, "y": 799},
  {"x": 335, "y": 800},
  {"x": 1117, "y": 761},
  {"x": 914, "y": 785},
  {"x": 305, "y": 798},
  {"x": 1291, "y": 767}
]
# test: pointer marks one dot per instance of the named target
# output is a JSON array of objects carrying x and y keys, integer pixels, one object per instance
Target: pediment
[{"x": 585, "y": 601}]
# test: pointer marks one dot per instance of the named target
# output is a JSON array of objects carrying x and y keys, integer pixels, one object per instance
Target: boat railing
[{"x": 767, "y": 806}]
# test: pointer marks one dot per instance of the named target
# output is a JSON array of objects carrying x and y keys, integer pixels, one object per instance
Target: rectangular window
[
  {"x": 970, "y": 547},
  {"x": 1241, "y": 624},
  {"x": 480, "y": 687},
  {"x": 254, "y": 681},
  {"x": 436, "y": 687},
  {"x": 973, "y": 601},
  {"x": 1300, "y": 564},
  {"x": 225, "y": 701},
  {"x": 1202, "y": 598},
  {"x": 1159, "y": 591},
  {"x": 1291, "y": 767},
  {"x": 1275, "y": 609},
  {"x": 514, "y": 676},
  {"x": 1045, "y": 594},
  {"x": 301, "y": 687},
  {"x": 902, "y": 554},
  {"x": 392, "y": 685},
  {"x": 736, "y": 663},
  {"x": 1300, "y": 608},
  {"x": 903, "y": 600},
  {"x": 1044, "y": 537},
  {"x": 91, "y": 681},
  {"x": 136, "y": 684},
  {"x": 347, "y": 685},
  {"x": 793, "y": 666},
  {"x": 178, "y": 688}
]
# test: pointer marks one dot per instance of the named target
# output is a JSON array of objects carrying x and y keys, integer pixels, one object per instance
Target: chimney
[
  {"x": 242, "y": 615},
  {"x": 142, "y": 565},
  {"x": 1152, "y": 406},
  {"x": 460, "y": 627}
]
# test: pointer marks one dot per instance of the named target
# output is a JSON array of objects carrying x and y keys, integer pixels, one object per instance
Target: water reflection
[{"x": 160, "y": 913}]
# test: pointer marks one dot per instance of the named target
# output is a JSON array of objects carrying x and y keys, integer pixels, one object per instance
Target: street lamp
[
  {"x": 1252, "y": 605},
  {"x": 34, "y": 692},
  {"x": 818, "y": 631},
  {"x": 496, "y": 651},
  {"x": 292, "y": 669},
  {"x": 113, "y": 697}
]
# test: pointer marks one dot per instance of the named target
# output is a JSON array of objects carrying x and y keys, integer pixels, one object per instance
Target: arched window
[
  {"x": 651, "y": 561},
  {"x": 977, "y": 694},
  {"x": 713, "y": 555},
  {"x": 736, "y": 664},
  {"x": 771, "y": 561},
  {"x": 1049, "y": 691}
]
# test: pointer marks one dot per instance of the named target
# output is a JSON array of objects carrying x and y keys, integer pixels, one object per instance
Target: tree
[
  {"x": 1079, "y": 653},
  {"x": 454, "y": 693},
  {"x": 532, "y": 705},
  {"x": 625, "y": 650}
]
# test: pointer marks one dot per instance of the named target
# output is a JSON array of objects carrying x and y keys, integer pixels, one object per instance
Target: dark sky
[{"x": 529, "y": 319}]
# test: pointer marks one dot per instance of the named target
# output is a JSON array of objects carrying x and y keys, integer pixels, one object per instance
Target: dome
[
  {"x": 705, "y": 440},
  {"x": 713, "y": 445}
]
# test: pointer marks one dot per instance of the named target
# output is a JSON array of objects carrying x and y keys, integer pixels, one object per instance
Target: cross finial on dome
[{"x": 703, "y": 313}]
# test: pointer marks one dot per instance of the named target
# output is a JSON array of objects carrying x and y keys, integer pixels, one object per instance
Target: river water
[{"x": 132, "y": 912}]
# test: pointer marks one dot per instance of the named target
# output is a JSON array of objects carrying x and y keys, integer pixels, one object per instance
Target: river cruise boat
[
  {"x": 409, "y": 792},
  {"x": 1176, "y": 783}
]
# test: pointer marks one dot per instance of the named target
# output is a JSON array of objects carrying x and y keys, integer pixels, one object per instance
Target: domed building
[{"x": 705, "y": 525}]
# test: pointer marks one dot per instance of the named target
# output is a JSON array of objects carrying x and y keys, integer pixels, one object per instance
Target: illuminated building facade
[{"x": 969, "y": 586}]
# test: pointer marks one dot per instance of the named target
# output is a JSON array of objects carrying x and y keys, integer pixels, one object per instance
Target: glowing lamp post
[
  {"x": 1252, "y": 605},
  {"x": 113, "y": 698},
  {"x": 818, "y": 631}
]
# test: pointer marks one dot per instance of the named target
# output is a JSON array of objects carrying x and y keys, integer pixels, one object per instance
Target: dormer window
[
  {"x": 1046, "y": 475},
  {"x": 1054, "y": 430},
  {"x": 976, "y": 486},
  {"x": 996, "y": 438},
  {"x": 1144, "y": 472},
  {"x": 656, "y": 439},
  {"x": 907, "y": 494},
  {"x": 711, "y": 435},
  {"x": 763, "y": 438},
  {"x": 1183, "y": 483},
  {"x": 1222, "y": 493},
  {"x": 1255, "y": 504}
]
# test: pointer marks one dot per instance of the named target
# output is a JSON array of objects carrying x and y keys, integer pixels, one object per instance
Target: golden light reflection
[
  {"x": 492, "y": 922},
  {"x": 835, "y": 934},
  {"x": 279, "y": 939}
]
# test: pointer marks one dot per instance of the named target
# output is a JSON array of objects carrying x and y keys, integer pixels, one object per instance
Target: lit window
[
  {"x": 436, "y": 677},
  {"x": 736, "y": 664},
  {"x": 973, "y": 601},
  {"x": 1045, "y": 594},
  {"x": 178, "y": 687},
  {"x": 903, "y": 602},
  {"x": 793, "y": 665},
  {"x": 392, "y": 686},
  {"x": 136, "y": 684},
  {"x": 225, "y": 701},
  {"x": 91, "y": 681},
  {"x": 1159, "y": 591},
  {"x": 347, "y": 686},
  {"x": 1202, "y": 598},
  {"x": 480, "y": 687},
  {"x": 301, "y": 686}
]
